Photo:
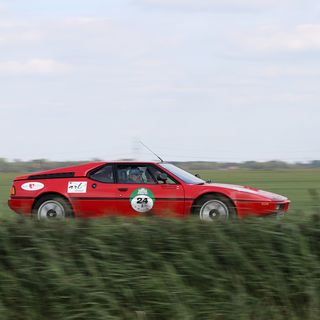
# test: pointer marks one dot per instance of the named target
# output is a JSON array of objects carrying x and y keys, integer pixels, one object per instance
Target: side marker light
[{"x": 13, "y": 191}]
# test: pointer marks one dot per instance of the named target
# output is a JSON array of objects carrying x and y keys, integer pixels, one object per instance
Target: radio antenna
[{"x": 151, "y": 151}]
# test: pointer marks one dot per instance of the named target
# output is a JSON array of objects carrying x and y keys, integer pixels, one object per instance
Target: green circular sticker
[{"x": 142, "y": 200}]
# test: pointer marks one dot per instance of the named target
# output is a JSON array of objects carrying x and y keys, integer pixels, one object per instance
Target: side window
[
  {"x": 135, "y": 174},
  {"x": 140, "y": 174},
  {"x": 155, "y": 172},
  {"x": 104, "y": 174}
]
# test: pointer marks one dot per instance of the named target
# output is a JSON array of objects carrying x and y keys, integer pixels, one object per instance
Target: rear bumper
[
  {"x": 261, "y": 209},
  {"x": 21, "y": 205}
]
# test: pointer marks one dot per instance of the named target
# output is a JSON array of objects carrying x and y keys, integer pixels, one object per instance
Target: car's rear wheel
[
  {"x": 214, "y": 208},
  {"x": 52, "y": 208}
]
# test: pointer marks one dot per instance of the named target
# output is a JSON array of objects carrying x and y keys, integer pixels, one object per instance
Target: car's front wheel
[
  {"x": 52, "y": 208},
  {"x": 214, "y": 208}
]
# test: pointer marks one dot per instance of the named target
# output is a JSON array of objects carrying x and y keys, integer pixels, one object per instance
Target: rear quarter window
[{"x": 104, "y": 174}]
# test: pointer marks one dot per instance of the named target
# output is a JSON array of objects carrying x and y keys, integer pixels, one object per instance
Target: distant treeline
[
  {"x": 252, "y": 165},
  {"x": 43, "y": 164}
]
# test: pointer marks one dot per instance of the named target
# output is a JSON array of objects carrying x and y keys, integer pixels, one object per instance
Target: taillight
[{"x": 13, "y": 191}]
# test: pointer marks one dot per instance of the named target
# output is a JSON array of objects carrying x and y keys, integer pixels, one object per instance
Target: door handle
[{"x": 123, "y": 189}]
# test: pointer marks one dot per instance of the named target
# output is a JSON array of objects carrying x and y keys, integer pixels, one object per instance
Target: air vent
[{"x": 52, "y": 176}]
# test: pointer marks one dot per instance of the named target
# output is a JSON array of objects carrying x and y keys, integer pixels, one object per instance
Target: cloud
[
  {"x": 17, "y": 37},
  {"x": 305, "y": 37},
  {"x": 112, "y": 40},
  {"x": 33, "y": 67},
  {"x": 290, "y": 71},
  {"x": 85, "y": 21},
  {"x": 19, "y": 31},
  {"x": 210, "y": 4}
]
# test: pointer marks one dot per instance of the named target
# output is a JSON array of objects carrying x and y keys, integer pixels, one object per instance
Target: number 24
[{"x": 142, "y": 200}]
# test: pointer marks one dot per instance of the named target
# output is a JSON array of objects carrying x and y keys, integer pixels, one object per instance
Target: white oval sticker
[{"x": 32, "y": 186}]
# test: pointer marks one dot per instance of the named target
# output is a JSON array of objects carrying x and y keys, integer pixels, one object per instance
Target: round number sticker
[{"x": 142, "y": 200}]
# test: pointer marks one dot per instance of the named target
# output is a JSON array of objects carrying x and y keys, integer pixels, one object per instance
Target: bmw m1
[{"x": 133, "y": 189}]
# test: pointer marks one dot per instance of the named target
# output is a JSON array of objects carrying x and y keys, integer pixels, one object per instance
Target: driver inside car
[{"x": 135, "y": 176}]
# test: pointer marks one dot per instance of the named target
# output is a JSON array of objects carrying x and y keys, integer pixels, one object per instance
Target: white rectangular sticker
[{"x": 77, "y": 187}]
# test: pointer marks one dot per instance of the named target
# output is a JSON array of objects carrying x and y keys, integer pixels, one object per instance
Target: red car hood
[{"x": 250, "y": 190}]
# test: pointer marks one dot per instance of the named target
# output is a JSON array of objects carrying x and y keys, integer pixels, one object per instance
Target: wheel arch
[
  {"x": 54, "y": 194},
  {"x": 200, "y": 197}
]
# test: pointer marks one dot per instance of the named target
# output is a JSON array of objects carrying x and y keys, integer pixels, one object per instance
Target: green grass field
[
  {"x": 167, "y": 269},
  {"x": 5, "y": 185},
  {"x": 300, "y": 186}
]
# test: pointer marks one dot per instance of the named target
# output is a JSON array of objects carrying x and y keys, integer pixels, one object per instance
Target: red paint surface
[{"x": 103, "y": 199}]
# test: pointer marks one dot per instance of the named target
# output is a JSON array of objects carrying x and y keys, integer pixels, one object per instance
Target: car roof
[
  {"x": 81, "y": 169},
  {"x": 133, "y": 161}
]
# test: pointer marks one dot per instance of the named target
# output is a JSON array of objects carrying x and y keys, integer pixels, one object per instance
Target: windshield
[{"x": 181, "y": 174}]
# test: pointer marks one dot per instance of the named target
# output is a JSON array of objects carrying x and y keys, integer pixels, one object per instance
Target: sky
[{"x": 213, "y": 80}]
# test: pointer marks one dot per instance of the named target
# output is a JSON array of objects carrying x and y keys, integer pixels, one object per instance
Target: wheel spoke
[
  {"x": 49, "y": 206},
  {"x": 214, "y": 210},
  {"x": 51, "y": 209},
  {"x": 57, "y": 209}
]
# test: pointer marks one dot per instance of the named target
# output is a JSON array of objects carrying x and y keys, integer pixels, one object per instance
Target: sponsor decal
[
  {"x": 77, "y": 187},
  {"x": 32, "y": 186},
  {"x": 142, "y": 200}
]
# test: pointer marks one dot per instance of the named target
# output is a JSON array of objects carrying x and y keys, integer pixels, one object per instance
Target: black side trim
[
  {"x": 108, "y": 199},
  {"x": 257, "y": 201},
  {"x": 96, "y": 199},
  {"x": 52, "y": 176},
  {"x": 240, "y": 200},
  {"x": 171, "y": 199},
  {"x": 21, "y": 198}
]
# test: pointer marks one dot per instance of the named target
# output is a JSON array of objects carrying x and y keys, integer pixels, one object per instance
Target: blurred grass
[
  {"x": 298, "y": 185},
  {"x": 160, "y": 269},
  {"x": 167, "y": 269},
  {"x": 6, "y": 180}
]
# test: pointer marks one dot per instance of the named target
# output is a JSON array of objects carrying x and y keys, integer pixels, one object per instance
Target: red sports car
[{"x": 133, "y": 189}]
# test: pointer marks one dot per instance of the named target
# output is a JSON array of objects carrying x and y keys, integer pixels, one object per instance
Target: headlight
[{"x": 280, "y": 207}]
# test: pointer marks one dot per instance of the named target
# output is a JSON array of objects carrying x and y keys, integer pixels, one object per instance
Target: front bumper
[{"x": 261, "y": 209}]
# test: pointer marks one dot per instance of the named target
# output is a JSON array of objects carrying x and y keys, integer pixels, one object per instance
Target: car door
[
  {"x": 101, "y": 196},
  {"x": 147, "y": 194}
]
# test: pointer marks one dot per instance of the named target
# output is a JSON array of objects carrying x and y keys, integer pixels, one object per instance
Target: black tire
[
  {"x": 214, "y": 207},
  {"x": 52, "y": 207}
]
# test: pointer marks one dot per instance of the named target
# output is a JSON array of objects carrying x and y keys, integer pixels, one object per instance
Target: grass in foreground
[{"x": 160, "y": 269}]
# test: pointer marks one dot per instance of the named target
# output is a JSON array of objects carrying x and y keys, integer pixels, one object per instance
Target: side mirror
[
  {"x": 197, "y": 175},
  {"x": 162, "y": 177}
]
